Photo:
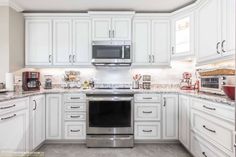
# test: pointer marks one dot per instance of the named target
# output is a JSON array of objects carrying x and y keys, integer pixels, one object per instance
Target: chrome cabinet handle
[
  {"x": 173, "y": 49},
  {"x": 70, "y": 59},
  {"x": 8, "y": 117},
  {"x": 109, "y": 33},
  {"x": 7, "y": 107},
  {"x": 204, "y": 154},
  {"x": 222, "y": 46},
  {"x": 74, "y": 98},
  {"x": 208, "y": 129},
  {"x": 209, "y": 108},
  {"x": 147, "y": 130},
  {"x": 147, "y": 111},
  {"x": 217, "y": 47},
  {"x": 74, "y": 58},
  {"x": 113, "y": 34},
  {"x": 35, "y": 105},
  {"x": 164, "y": 104},
  {"x": 149, "y": 58},
  {"x": 74, "y": 116},
  {"x": 147, "y": 98},
  {"x": 74, "y": 130},
  {"x": 73, "y": 107},
  {"x": 50, "y": 58},
  {"x": 153, "y": 58}
]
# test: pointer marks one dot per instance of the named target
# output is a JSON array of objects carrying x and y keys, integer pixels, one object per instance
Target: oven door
[{"x": 109, "y": 115}]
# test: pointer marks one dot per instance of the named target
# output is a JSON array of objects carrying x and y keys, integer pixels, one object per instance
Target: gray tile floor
[{"x": 140, "y": 150}]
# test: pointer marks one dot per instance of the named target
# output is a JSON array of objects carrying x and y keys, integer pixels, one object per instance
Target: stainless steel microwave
[{"x": 111, "y": 53}]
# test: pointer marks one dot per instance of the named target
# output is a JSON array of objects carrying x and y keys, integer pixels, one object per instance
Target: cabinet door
[
  {"x": 209, "y": 31},
  {"x": 170, "y": 116},
  {"x": 53, "y": 116},
  {"x": 62, "y": 42},
  {"x": 81, "y": 42},
  {"x": 228, "y": 30},
  {"x": 37, "y": 125},
  {"x": 121, "y": 28},
  {"x": 38, "y": 42},
  {"x": 184, "y": 121},
  {"x": 183, "y": 36},
  {"x": 101, "y": 28},
  {"x": 142, "y": 42},
  {"x": 14, "y": 131},
  {"x": 160, "y": 42}
]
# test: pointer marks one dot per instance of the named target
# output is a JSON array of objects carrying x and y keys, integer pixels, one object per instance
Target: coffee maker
[{"x": 30, "y": 81}]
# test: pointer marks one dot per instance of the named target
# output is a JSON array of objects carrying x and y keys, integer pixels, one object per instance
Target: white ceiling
[{"x": 84, "y": 5}]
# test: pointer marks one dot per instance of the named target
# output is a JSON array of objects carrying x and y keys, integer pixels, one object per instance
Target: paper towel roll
[{"x": 9, "y": 82}]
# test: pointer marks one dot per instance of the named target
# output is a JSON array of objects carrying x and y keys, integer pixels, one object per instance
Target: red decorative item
[{"x": 229, "y": 91}]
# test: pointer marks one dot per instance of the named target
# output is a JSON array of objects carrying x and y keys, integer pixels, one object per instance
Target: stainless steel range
[{"x": 110, "y": 120}]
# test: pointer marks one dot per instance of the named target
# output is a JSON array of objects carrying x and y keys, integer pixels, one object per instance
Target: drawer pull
[
  {"x": 74, "y": 116},
  {"x": 74, "y": 130},
  {"x": 209, "y": 108},
  {"x": 208, "y": 129},
  {"x": 8, "y": 117},
  {"x": 147, "y": 98},
  {"x": 7, "y": 107},
  {"x": 147, "y": 112},
  {"x": 204, "y": 154},
  {"x": 147, "y": 130},
  {"x": 74, "y": 98},
  {"x": 74, "y": 107}
]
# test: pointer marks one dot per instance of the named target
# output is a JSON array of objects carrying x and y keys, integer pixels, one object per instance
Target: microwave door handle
[{"x": 123, "y": 52}]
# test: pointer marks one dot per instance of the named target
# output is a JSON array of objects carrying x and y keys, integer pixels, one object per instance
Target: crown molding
[{"x": 11, "y": 4}]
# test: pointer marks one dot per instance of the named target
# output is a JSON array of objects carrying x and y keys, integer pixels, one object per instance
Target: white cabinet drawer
[
  {"x": 74, "y": 106},
  {"x": 75, "y": 97},
  {"x": 75, "y": 130},
  {"x": 13, "y": 105},
  {"x": 147, "y": 98},
  {"x": 75, "y": 116},
  {"x": 217, "y": 131},
  {"x": 147, "y": 111},
  {"x": 147, "y": 130},
  {"x": 201, "y": 148},
  {"x": 215, "y": 109}
]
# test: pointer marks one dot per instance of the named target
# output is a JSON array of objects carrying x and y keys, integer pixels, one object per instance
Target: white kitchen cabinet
[
  {"x": 147, "y": 131},
  {"x": 101, "y": 28},
  {"x": 111, "y": 28},
  {"x": 14, "y": 126},
  {"x": 151, "y": 42},
  {"x": 37, "y": 121},
  {"x": 53, "y": 116},
  {"x": 182, "y": 35},
  {"x": 38, "y": 42},
  {"x": 62, "y": 42},
  {"x": 82, "y": 42},
  {"x": 184, "y": 120},
  {"x": 75, "y": 130},
  {"x": 160, "y": 42},
  {"x": 215, "y": 31},
  {"x": 170, "y": 116}
]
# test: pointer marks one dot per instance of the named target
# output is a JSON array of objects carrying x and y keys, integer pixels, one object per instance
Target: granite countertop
[{"x": 206, "y": 96}]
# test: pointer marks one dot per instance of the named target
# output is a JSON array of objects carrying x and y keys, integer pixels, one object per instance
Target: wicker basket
[{"x": 217, "y": 72}]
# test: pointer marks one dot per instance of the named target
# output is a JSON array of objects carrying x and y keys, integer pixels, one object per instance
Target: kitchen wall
[
  {"x": 122, "y": 75},
  {"x": 11, "y": 41}
]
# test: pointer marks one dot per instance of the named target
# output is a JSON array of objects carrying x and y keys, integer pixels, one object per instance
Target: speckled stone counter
[{"x": 206, "y": 96}]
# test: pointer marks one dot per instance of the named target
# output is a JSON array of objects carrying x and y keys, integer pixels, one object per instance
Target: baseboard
[
  {"x": 65, "y": 141},
  {"x": 156, "y": 142}
]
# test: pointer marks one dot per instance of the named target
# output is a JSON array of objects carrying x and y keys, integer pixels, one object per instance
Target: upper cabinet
[
  {"x": 182, "y": 27},
  {"x": 58, "y": 41},
  {"x": 111, "y": 25},
  {"x": 151, "y": 42},
  {"x": 215, "y": 31},
  {"x": 38, "y": 42}
]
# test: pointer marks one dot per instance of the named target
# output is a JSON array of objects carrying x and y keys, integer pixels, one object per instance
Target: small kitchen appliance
[
  {"x": 186, "y": 82},
  {"x": 48, "y": 82},
  {"x": 31, "y": 81},
  {"x": 111, "y": 53}
]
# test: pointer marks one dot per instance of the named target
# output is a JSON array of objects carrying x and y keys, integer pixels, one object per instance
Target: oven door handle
[{"x": 110, "y": 99}]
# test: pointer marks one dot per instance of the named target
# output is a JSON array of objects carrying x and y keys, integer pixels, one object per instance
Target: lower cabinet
[
  {"x": 37, "y": 121},
  {"x": 53, "y": 117},
  {"x": 14, "y": 126},
  {"x": 170, "y": 116},
  {"x": 75, "y": 130},
  {"x": 184, "y": 120},
  {"x": 147, "y": 130}
]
